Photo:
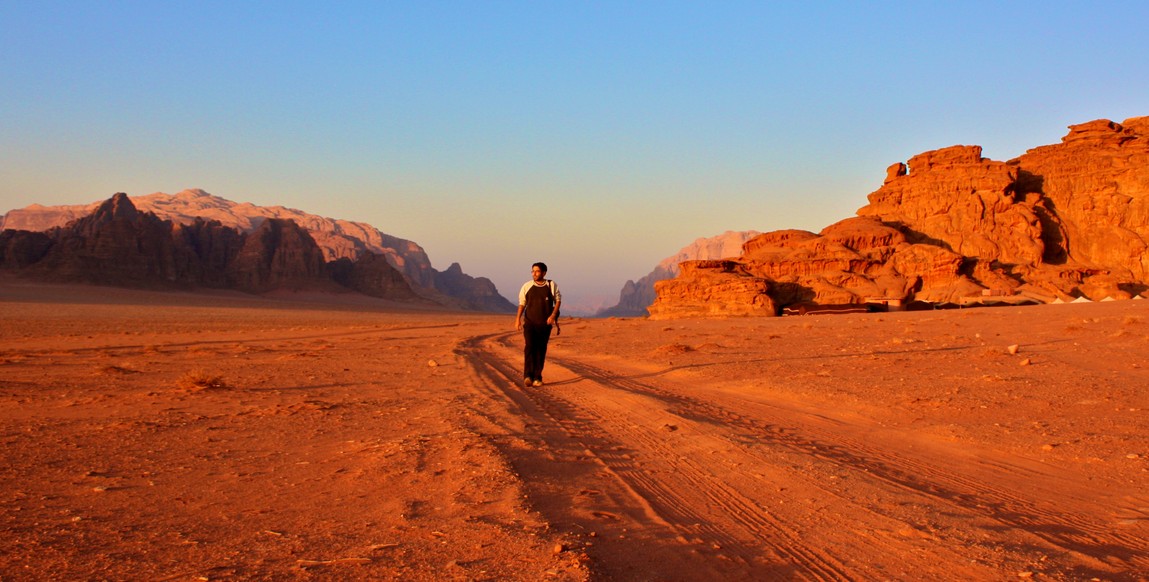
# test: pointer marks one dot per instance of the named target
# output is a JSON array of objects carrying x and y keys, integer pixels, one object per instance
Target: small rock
[
  {"x": 432, "y": 363},
  {"x": 1048, "y": 447},
  {"x": 1025, "y": 362},
  {"x": 669, "y": 427},
  {"x": 560, "y": 548},
  {"x": 1013, "y": 349},
  {"x": 1132, "y": 456},
  {"x": 1025, "y": 574}
]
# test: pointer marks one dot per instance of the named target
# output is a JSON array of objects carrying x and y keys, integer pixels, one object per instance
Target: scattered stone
[
  {"x": 432, "y": 363},
  {"x": 1013, "y": 349},
  {"x": 1025, "y": 362},
  {"x": 560, "y": 548}
]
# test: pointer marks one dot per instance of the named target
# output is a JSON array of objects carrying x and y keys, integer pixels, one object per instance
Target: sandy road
[{"x": 672, "y": 480}]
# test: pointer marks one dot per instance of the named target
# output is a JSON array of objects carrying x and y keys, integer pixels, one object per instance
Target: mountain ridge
[{"x": 337, "y": 239}]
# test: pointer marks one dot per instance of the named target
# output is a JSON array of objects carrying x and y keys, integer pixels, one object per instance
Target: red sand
[{"x": 169, "y": 436}]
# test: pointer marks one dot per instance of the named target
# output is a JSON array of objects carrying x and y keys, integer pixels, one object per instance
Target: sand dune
[{"x": 182, "y": 437}]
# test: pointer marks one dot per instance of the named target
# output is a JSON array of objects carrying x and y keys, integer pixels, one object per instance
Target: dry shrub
[{"x": 197, "y": 380}]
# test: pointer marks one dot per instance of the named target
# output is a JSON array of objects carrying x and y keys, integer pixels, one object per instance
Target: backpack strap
[{"x": 554, "y": 297}]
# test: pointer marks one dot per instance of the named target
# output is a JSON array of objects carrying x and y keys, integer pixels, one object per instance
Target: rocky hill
[
  {"x": 336, "y": 239},
  {"x": 1060, "y": 222},
  {"x": 119, "y": 245},
  {"x": 636, "y": 296}
]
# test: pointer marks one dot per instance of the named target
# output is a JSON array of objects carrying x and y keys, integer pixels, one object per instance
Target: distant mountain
[
  {"x": 118, "y": 245},
  {"x": 636, "y": 296},
  {"x": 336, "y": 239}
]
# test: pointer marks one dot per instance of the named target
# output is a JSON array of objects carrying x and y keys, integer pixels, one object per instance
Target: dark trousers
[{"x": 535, "y": 352}]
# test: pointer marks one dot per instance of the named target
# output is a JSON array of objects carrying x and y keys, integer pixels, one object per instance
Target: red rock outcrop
[
  {"x": 1061, "y": 221},
  {"x": 712, "y": 287},
  {"x": 1096, "y": 181},
  {"x": 636, "y": 296}
]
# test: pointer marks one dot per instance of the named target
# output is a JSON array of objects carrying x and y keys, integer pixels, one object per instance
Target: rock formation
[
  {"x": 1061, "y": 221},
  {"x": 21, "y": 248},
  {"x": 336, "y": 239},
  {"x": 121, "y": 246},
  {"x": 115, "y": 245},
  {"x": 372, "y": 275},
  {"x": 471, "y": 293},
  {"x": 636, "y": 296},
  {"x": 279, "y": 254}
]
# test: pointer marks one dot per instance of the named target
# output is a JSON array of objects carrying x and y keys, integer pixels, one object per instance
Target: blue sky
[{"x": 599, "y": 137}]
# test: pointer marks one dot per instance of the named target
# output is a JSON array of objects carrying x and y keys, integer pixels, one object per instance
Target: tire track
[
  {"x": 702, "y": 508},
  {"x": 1095, "y": 543},
  {"x": 890, "y": 493},
  {"x": 603, "y": 507}
]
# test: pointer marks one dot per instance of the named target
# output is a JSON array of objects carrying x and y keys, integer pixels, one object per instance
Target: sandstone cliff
[
  {"x": 636, "y": 296},
  {"x": 1061, "y": 221},
  {"x": 119, "y": 245},
  {"x": 336, "y": 239}
]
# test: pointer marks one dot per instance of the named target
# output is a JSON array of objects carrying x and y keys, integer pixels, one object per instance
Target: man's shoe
[
  {"x": 527, "y": 382},
  {"x": 537, "y": 383}
]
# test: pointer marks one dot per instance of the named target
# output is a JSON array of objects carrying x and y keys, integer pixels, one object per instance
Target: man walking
[{"x": 539, "y": 301}]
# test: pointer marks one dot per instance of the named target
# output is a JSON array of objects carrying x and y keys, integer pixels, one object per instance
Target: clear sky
[{"x": 599, "y": 137}]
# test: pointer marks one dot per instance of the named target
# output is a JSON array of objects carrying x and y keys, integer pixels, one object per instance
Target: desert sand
[{"x": 177, "y": 436}]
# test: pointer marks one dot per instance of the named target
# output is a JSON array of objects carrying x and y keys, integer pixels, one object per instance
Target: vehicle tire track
[
  {"x": 889, "y": 494},
  {"x": 1096, "y": 543},
  {"x": 601, "y": 502}
]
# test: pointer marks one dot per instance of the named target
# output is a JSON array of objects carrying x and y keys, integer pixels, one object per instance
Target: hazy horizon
[{"x": 597, "y": 137}]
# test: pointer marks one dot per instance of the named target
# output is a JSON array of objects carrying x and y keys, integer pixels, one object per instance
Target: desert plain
[{"x": 216, "y": 436}]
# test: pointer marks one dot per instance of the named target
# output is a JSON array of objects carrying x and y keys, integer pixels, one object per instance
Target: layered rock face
[
  {"x": 119, "y": 245},
  {"x": 636, "y": 296},
  {"x": 336, "y": 239},
  {"x": 1096, "y": 183},
  {"x": 372, "y": 275},
  {"x": 279, "y": 254},
  {"x": 1061, "y": 221}
]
